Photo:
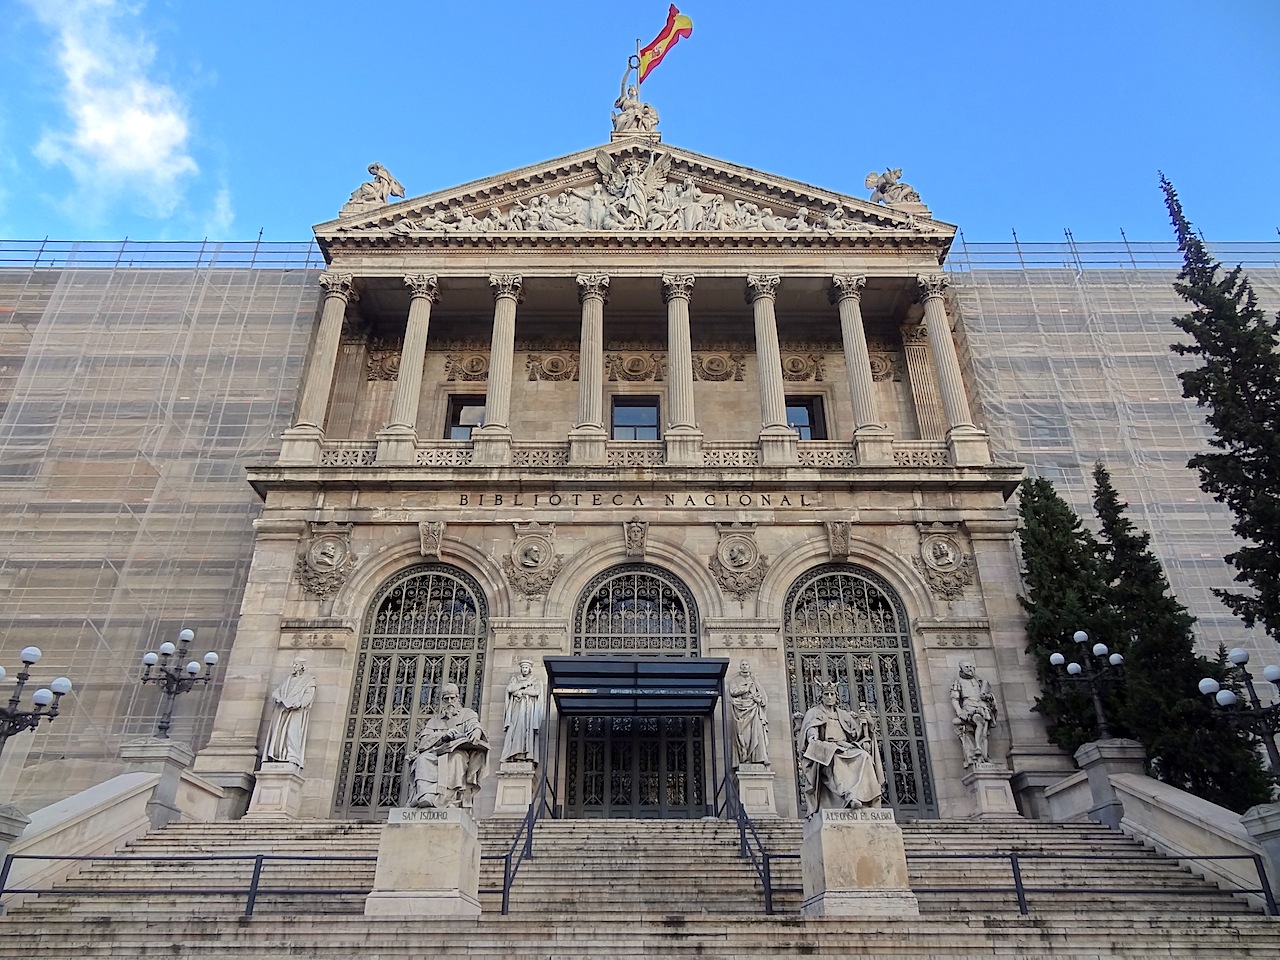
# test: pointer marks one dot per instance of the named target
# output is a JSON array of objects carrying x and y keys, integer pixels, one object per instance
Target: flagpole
[{"x": 638, "y": 97}]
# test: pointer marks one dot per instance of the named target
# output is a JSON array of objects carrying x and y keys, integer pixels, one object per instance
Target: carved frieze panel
[
  {"x": 635, "y": 367},
  {"x": 354, "y": 329},
  {"x": 382, "y": 365},
  {"x": 634, "y": 534},
  {"x": 803, "y": 366},
  {"x": 552, "y": 366},
  {"x": 839, "y": 533},
  {"x": 942, "y": 562},
  {"x": 431, "y": 537},
  {"x": 532, "y": 565},
  {"x": 466, "y": 366},
  {"x": 719, "y": 366},
  {"x": 325, "y": 559},
  {"x": 738, "y": 565},
  {"x": 886, "y": 366}
]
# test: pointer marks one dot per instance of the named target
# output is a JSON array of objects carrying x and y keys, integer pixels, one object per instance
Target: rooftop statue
[
  {"x": 380, "y": 189},
  {"x": 888, "y": 188},
  {"x": 633, "y": 116}
]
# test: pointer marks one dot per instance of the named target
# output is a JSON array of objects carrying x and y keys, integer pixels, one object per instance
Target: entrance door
[{"x": 637, "y": 767}]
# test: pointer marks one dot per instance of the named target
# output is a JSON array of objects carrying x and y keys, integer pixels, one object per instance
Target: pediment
[{"x": 632, "y": 189}]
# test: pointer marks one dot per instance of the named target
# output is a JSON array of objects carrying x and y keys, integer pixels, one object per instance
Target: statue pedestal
[
  {"x": 167, "y": 758},
  {"x": 277, "y": 794},
  {"x": 988, "y": 785},
  {"x": 515, "y": 788},
  {"x": 855, "y": 865},
  {"x": 428, "y": 865},
  {"x": 1099, "y": 759},
  {"x": 755, "y": 791}
]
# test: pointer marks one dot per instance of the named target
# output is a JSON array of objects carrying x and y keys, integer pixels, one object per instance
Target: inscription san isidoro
[{"x": 723, "y": 499}]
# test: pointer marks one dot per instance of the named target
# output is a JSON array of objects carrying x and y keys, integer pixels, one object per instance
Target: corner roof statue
[
  {"x": 375, "y": 192},
  {"x": 633, "y": 116},
  {"x": 888, "y": 188}
]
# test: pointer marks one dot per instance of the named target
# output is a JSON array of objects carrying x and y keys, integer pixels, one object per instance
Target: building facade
[{"x": 631, "y": 405}]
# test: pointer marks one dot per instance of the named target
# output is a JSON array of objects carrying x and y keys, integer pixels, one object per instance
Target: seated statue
[
  {"x": 450, "y": 755},
  {"x": 841, "y": 766}
]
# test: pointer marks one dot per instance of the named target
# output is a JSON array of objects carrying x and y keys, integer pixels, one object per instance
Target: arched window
[
  {"x": 845, "y": 625},
  {"x": 425, "y": 627},
  {"x": 636, "y": 609}
]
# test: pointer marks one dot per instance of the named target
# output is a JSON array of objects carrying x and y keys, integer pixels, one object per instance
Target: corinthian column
[
  {"x": 587, "y": 439},
  {"x": 872, "y": 438},
  {"x": 302, "y": 442},
  {"x": 777, "y": 440},
  {"x": 492, "y": 442},
  {"x": 396, "y": 443},
  {"x": 968, "y": 443},
  {"x": 684, "y": 442}
]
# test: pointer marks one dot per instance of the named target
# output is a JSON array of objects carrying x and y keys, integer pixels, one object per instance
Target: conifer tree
[
  {"x": 1239, "y": 383},
  {"x": 1188, "y": 745},
  {"x": 1065, "y": 592}
]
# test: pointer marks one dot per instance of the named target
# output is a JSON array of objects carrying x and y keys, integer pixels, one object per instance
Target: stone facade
[{"x": 767, "y": 415}]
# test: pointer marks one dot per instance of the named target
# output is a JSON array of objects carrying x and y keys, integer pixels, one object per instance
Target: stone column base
[
  {"x": 988, "y": 785},
  {"x": 428, "y": 865},
  {"x": 684, "y": 447},
  {"x": 1099, "y": 760},
  {"x": 167, "y": 758},
  {"x": 779, "y": 447},
  {"x": 277, "y": 795},
  {"x": 586, "y": 445},
  {"x": 968, "y": 446},
  {"x": 490, "y": 446},
  {"x": 855, "y": 865},
  {"x": 1263, "y": 824},
  {"x": 515, "y": 788},
  {"x": 755, "y": 790},
  {"x": 229, "y": 763},
  {"x": 874, "y": 445},
  {"x": 301, "y": 445},
  {"x": 397, "y": 445}
]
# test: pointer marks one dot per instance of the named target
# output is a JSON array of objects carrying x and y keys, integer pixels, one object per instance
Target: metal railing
[
  {"x": 759, "y": 855},
  {"x": 251, "y": 892},
  {"x": 1020, "y": 888},
  {"x": 523, "y": 841}
]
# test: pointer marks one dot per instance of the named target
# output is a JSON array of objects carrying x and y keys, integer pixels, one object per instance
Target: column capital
[
  {"x": 423, "y": 285},
  {"x": 593, "y": 285},
  {"x": 507, "y": 285},
  {"x": 759, "y": 286},
  {"x": 930, "y": 285},
  {"x": 676, "y": 287},
  {"x": 340, "y": 285},
  {"x": 847, "y": 288}
]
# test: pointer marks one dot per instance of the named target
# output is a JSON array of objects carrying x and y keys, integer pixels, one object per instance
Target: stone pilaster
[
  {"x": 492, "y": 442},
  {"x": 301, "y": 442},
  {"x": 587, "y": 439},
  {"x": 777, "y": 440},
  {"x": 968, "y": 444},
  {"x": 396, "y": 443},
  {"x": 684, "y": 440},
  {"x": 924, "y": 386},
  {"x": 871, "y": 436}
]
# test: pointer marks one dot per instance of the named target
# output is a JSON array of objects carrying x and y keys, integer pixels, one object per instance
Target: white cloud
[
  {"x": 218, "y": 222},
  {"x": 128, "y": 134}
]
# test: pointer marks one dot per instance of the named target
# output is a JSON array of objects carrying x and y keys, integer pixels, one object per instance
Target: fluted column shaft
[
  {"x": 424, "y": 291},
  {"x": 677, "y": 290},
  {"x": 497, "y": 402},
  {"x": 955, "y": 402},
  {"x": 761, "y": 294},
  {"x": 847, "y": 294},
  {"x": 592, "y": 289},
  {"x": 339, "y": 290}
]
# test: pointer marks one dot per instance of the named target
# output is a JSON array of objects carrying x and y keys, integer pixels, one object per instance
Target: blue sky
[{"x": 182, "y": 119}]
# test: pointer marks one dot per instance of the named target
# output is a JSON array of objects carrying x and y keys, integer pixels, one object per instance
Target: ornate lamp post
[
  {"x": 1093, "y": 676},
  {"x": 173, "y": 677},
  {"x": 1262, "y": 721},
  {"x": 44, "y": 701}
]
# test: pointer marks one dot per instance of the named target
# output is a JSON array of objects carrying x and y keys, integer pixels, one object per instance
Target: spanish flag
[{"x": 678, "y": 25}]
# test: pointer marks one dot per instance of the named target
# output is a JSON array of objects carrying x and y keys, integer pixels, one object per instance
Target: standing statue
[
  {"x": 887, "y": 188},
  {"x": 841, "y": 765},
  {"x": 449, "y": 757},
  {"x": 633, "y": 116},
  {"x": 750, "y": 720},
  {"x": 975, "y": 708},
  {"x": 380, "y": 189},
  {"x": 287, "y": 737},
  {"x": 526, "y": 708}
]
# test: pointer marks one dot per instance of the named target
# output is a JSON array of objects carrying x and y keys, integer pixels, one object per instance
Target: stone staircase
[{"x": 634, "y": 889}]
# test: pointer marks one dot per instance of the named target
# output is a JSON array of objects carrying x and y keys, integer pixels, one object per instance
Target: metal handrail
[
  {"x": 255, "y": 888},
  {"x": 764, "y": 865},
  {"x": 511, "y": 860},
  {"x": 1020, "y": 888}
]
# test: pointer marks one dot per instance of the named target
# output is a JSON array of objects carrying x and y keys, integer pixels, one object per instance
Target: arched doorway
[
  {"x": 846, "y": 625},
  {"x": 635, "y": 766},
  {"x": 425, "y": 627}
]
